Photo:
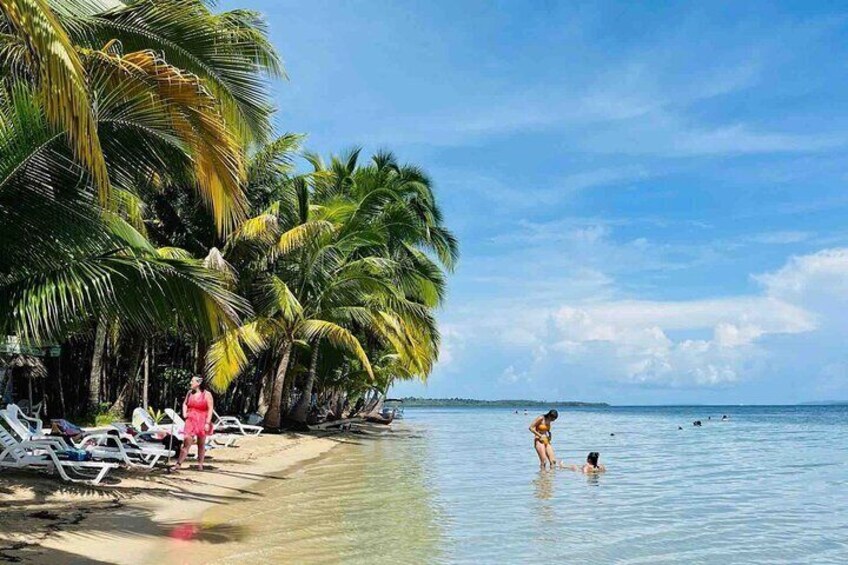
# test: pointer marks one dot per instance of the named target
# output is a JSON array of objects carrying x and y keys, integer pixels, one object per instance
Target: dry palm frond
[
  {"x": 62, "y": 82},
  {"x": 193, "y": 117}
]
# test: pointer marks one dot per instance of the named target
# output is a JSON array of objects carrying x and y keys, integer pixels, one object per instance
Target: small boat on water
[{"x": 392, "y": 409}]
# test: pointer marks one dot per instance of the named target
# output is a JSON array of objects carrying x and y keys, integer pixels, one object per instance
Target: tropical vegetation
[{"x": 154, "y": 225}]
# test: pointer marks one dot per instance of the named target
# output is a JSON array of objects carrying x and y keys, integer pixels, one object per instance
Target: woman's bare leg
[
  {"x": 540, "y": 451},
  {"x": 549, "y": 452},
  {"x": 183, "y": 452},
  {"x": 201, "y": 451}
]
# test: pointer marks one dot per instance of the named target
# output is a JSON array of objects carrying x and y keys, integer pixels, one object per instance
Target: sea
[{"x": 768, "y": 484}]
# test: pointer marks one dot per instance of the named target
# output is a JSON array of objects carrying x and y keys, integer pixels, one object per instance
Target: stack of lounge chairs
[
  {"x": 142, "y": 420},
  {"x": 88, "y": 457},
  {"x": 111, "y": 445},
  {"x": 47, "y": 455}
]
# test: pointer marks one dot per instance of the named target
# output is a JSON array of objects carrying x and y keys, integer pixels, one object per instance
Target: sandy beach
[{"x": 46, "y": 520}]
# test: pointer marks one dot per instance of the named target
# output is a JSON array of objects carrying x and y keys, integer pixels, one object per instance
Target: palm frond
[
  {"x": 227, "y": 357},
  {"x": 62, "y": 82},
  {"x": 338, "y": 337},
  {"x": 195, "y": 119},
  {"x": 230, "y": 51}
]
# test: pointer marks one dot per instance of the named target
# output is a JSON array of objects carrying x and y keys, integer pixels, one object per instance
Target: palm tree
[
  {"x": 336, "y": 259},
  {"x": 62, "y": 257},
  {"x": 35, "y": 43},
  {"x": 100, "y": 102},
  {"x": 292, "y": 268}
]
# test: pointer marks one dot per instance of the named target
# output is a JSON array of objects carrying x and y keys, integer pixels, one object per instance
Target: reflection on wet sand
[
  {"x": 207, "y": 532},
  {"x": 360, "y": 503}
]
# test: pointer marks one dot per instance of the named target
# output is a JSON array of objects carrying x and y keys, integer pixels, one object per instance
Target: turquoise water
[
  {"x": 770, "y": 485},
  {"x": 463, "y": 486}
]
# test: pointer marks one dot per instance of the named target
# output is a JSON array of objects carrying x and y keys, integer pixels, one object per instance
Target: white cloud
[
  {"x": 453, "y": 341},
  {"x": 511, "y": 376},
  {"x": 731, "y": 335},
  {"x": 631, "y": 341},
  {"x": 780, "y": 237},
  {"x": 811, "y": 279},
  {"x": 706, "y": 343}
]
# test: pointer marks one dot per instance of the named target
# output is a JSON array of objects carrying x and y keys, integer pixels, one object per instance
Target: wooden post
[
  {"x": 146, "y": 375},
  {"x": 56, "y": 364}
]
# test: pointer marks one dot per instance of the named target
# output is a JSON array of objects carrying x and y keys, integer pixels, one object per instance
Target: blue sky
[{"x": 650, "y": 197}]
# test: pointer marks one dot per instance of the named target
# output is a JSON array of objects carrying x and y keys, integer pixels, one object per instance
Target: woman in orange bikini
[{"x": 541, "y": 428}]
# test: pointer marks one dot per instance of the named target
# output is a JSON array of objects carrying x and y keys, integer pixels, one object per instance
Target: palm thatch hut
[{"x": 26, "y": 367}]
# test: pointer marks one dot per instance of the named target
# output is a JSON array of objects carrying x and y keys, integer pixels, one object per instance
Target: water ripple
[{"x": 767, "y": 486}]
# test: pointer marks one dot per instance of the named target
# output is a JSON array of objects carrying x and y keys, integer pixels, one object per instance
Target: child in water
[{"x": 591, "y": 467}]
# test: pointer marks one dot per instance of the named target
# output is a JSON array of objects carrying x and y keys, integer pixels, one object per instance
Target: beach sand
[{"x": 46, "y": 520}]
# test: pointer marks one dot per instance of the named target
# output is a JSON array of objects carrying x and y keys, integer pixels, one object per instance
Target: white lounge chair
[
  {"x": 44, "y": 457},
  {"x": 221, "y": 439},
  {"x": 109, "y": 446},
  {"x": 223, "y": 424},
  {"x": 144, "y": 422}
]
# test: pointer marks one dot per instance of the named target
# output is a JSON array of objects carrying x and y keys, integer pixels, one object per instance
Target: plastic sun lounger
[
  {"x": 114, "y": 444},
  {"x": 224, "y": 423},
  {"x": 143, "y": 421},
  {"x": 220, "y": 439},
  {"x": 43, "y": 457},
  {"x": 109, "y": 446}
]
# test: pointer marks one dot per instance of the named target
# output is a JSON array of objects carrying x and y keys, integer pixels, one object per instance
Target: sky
[{"x": 650, "y": 197}]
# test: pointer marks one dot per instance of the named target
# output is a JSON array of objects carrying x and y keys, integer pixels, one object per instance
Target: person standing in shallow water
[
  {"x": 198, "y": 407},
  {"x": 541, "y": 429}
]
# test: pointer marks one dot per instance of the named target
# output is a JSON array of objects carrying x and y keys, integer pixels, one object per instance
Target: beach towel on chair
[
  {"x": 74, "y": 454},
  {"x": 65, "y": 428}
]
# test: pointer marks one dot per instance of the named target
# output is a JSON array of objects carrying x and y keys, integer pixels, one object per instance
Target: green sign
[{"x": 11, "y": 345}]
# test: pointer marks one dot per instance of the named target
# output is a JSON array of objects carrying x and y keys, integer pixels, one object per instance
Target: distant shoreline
[
  {"x": 419, "y": 402},
  {"x": 414, "y": 401}
]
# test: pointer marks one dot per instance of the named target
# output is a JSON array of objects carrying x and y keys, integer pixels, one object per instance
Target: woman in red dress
[{"x": 197, "y": 412}]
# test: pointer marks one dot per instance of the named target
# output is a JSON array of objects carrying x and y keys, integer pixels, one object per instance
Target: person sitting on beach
[
  {"x": 541, "y": 428},
  {"x": 591, "y": 467},
  {"x": 198, "y": 408}
]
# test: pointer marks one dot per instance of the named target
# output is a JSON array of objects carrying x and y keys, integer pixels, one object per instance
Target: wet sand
[
  {"x": 128, "y": 520},
  {"x": 367, "y": 501}
]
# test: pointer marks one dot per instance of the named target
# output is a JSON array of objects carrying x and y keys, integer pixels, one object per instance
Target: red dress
[{"x": 198, "y": 410}]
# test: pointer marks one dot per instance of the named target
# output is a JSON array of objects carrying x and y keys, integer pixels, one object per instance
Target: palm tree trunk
[
  {"x": 146, "y": 375},
  {"x": 266, "y": 390},
  {"x": 301, "y": 410},
  {"x": 200, "y": 358},
  {"x": 97, "y": 366},
  {"x": 126, "y": 393},
  {"x": 274, "y": 413},
  {"x": 58, "y": 372}
]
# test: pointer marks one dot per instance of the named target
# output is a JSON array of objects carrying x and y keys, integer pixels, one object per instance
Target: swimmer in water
[
  {"x": 541, "y": 428},
  {"x": 590, "y": 468}
]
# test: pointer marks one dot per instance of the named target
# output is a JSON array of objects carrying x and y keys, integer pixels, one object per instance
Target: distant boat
[{"x": 392, "y": 409}]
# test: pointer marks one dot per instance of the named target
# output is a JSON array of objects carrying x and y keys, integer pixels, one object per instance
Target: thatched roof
[{"x": 28, "y": 366}]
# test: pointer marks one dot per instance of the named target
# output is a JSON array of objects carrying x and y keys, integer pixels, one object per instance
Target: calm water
[{"x": 463, "y": 486}]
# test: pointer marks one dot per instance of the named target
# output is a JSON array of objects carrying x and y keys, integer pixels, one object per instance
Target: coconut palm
[
  {"x": 177, "y": 89},
  {"x": 198, "y": 74},
  {"x": 62, "y": 257},
  {"x": 333, "y": 259}
]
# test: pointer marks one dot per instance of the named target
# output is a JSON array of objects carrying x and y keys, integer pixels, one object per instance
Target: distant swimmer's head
[
  {"x": 592, "y": 458},
  {"x": 552, "y": 415}
]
